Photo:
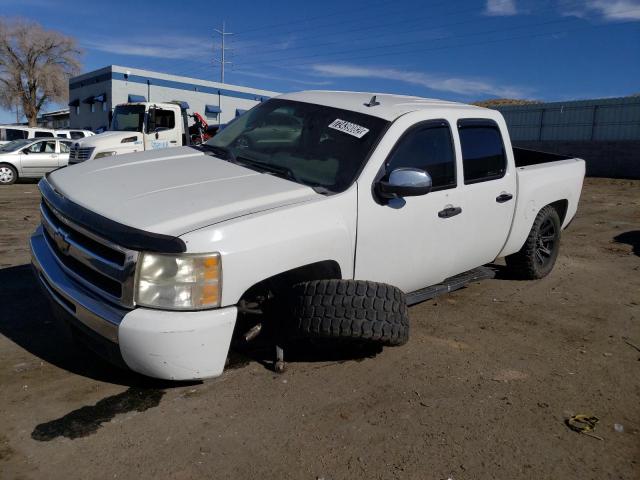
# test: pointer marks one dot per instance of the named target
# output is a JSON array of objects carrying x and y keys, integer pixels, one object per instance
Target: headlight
[
  {"x": 104, "y": 154},
  {"x": 179, "y": 282}
]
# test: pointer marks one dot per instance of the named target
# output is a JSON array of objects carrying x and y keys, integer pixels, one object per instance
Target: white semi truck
[
  {"x": 136, "y": 127},
  {"x": 334, "y": 209}
]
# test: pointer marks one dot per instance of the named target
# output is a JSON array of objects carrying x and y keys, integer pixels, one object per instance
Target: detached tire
[
  {"x": 538, "y": 255},
  {"x": 351, "y": 309}
]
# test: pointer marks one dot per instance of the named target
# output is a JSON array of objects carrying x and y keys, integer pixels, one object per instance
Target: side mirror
[{"x": 405, "y": 182}]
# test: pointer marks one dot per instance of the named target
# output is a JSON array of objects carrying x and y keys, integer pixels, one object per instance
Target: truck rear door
[{"x": 487, "y": 195}]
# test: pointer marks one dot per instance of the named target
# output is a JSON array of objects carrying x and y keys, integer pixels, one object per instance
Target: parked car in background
[
  {"x": 74, "y": 133},
  {"x": 9, "y": 133},
  {"x": 32, "y": 158}
]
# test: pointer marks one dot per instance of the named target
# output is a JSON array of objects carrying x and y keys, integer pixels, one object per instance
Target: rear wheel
[
  {"x": 538, "y": 255},
  {"x": 8, "y": 174}
]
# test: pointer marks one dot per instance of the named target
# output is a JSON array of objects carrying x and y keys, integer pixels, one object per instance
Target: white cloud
[
  {"x": 609, "y": 10},
  {"x": 501, "y": 8},
  {"x": 168, "y": 47},
  {"x": 616, "y": 9},
  {"x": 459, "y": 86}
]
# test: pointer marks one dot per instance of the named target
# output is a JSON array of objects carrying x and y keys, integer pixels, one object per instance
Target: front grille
[
  {"x": 78, "y": 154},
  {"x": 98, "y": 264}
]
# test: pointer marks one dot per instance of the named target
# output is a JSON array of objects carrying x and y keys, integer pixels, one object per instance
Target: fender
[{"x": 259, "y": 246}]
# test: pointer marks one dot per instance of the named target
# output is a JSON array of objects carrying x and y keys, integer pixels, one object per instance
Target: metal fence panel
[{"x": 610, "y": 119}]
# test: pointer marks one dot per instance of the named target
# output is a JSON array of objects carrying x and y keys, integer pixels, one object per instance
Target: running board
[{"x": 450, "y": 284}]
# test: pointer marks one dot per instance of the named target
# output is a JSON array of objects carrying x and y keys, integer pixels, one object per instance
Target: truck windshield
[
  {"x": 310, "y": 144},
  {"x": 128, "y": 118}
]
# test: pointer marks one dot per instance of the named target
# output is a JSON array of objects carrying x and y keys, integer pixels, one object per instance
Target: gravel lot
[{"x": 480, "y": 391}]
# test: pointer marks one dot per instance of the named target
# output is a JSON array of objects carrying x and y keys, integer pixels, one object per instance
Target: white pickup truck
[
  {"x": 136, "y": 127},
  {"x": 340, "y": 216}
]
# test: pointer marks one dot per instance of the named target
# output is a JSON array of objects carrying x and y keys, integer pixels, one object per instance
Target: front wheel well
[{"x": 281, "y": 282}]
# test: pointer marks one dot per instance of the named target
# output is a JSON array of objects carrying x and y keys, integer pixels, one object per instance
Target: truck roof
[{"x": 390, "y": 106}]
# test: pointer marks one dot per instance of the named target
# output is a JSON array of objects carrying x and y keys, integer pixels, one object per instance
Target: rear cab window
[{"x": 483, "y": 154}]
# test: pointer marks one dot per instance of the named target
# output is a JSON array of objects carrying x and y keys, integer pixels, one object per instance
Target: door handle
[
  {"x": 449, "y": 212},
  {"x": 504, "y": 197},
  {"x": 173, "y": 141}
]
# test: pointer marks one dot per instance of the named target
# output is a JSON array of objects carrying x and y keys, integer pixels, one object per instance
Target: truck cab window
[
  {"x": 428, "y": 148},
  {"x": 483, "y": 153},
  {"x": 162, "y": 120}
]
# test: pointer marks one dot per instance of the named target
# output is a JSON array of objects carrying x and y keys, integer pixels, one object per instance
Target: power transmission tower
[{"x": 223, "y": 33}]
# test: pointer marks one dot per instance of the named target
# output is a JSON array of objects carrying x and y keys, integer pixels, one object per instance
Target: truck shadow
[
  {"x": 27, "y": 321},
  {"x": 632, "y": 238},
  {"x": 301, "y": 350}
]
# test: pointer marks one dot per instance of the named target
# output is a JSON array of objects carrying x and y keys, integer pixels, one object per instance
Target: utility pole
[{"x": 223, "y": 33}]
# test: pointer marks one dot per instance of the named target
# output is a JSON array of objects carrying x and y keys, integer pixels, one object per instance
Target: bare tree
[{"x": 35, "y": 66}]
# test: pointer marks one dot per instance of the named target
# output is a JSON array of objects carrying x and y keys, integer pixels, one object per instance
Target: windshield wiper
[
  {"x": 276, "y": 169},
  {"x": 222, "y": 152}
]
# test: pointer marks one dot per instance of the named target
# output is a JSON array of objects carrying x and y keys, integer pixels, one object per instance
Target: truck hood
[
  {"x": 107, "y": 139},
  {"x": 175, "y": 190}
]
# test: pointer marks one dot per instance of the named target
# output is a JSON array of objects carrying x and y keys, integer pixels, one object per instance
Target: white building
[{"x": 93, "y": 95}]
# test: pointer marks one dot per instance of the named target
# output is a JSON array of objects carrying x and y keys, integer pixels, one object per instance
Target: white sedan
[{"x": 32, "y": 158}]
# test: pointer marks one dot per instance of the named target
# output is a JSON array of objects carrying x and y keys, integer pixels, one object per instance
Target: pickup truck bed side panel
[
  {"x": 258, "y": 246},
  {"x": 540, "y": 185}
]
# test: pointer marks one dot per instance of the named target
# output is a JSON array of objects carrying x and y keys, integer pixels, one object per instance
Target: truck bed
[
  {"x": 524, "y": 157},
  {"x": 543, "y": 179}
]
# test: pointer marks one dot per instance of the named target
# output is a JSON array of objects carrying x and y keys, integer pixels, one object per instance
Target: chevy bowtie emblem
[{"x": 62, "y": 242}]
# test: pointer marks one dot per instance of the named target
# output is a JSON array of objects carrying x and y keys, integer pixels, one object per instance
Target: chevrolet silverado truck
[
  {"x": 136, "y": 127},
  {"x": 361, "y": 206}
]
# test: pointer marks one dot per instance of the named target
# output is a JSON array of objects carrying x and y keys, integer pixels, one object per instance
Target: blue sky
[{"x": 462, "y": 50}]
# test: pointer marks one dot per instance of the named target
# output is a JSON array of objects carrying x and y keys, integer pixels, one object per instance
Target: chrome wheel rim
[
  {"x": 6, "y": 175},
  {"x": 545, "y": 243}
]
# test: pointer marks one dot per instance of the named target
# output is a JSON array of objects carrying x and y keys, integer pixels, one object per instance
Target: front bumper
[{"x": 161, "y": 344}]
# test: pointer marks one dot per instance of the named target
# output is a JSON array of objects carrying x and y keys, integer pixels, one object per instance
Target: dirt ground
[{"x": 481, "y": 390}]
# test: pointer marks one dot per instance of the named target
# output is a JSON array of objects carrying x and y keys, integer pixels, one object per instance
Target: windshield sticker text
[{"x": 349, "y": 128}]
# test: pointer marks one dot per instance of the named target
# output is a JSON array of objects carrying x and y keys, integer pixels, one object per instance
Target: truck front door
[
  {"x": 405, "y": 242},
  {"x": 162, "y": 129}
]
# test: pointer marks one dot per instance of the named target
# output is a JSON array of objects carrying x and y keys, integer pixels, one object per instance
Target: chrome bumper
[{"x": 90, "y": 310}]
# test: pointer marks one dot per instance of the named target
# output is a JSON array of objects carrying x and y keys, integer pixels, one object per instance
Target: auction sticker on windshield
[{"x": 349, "y": 128}]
